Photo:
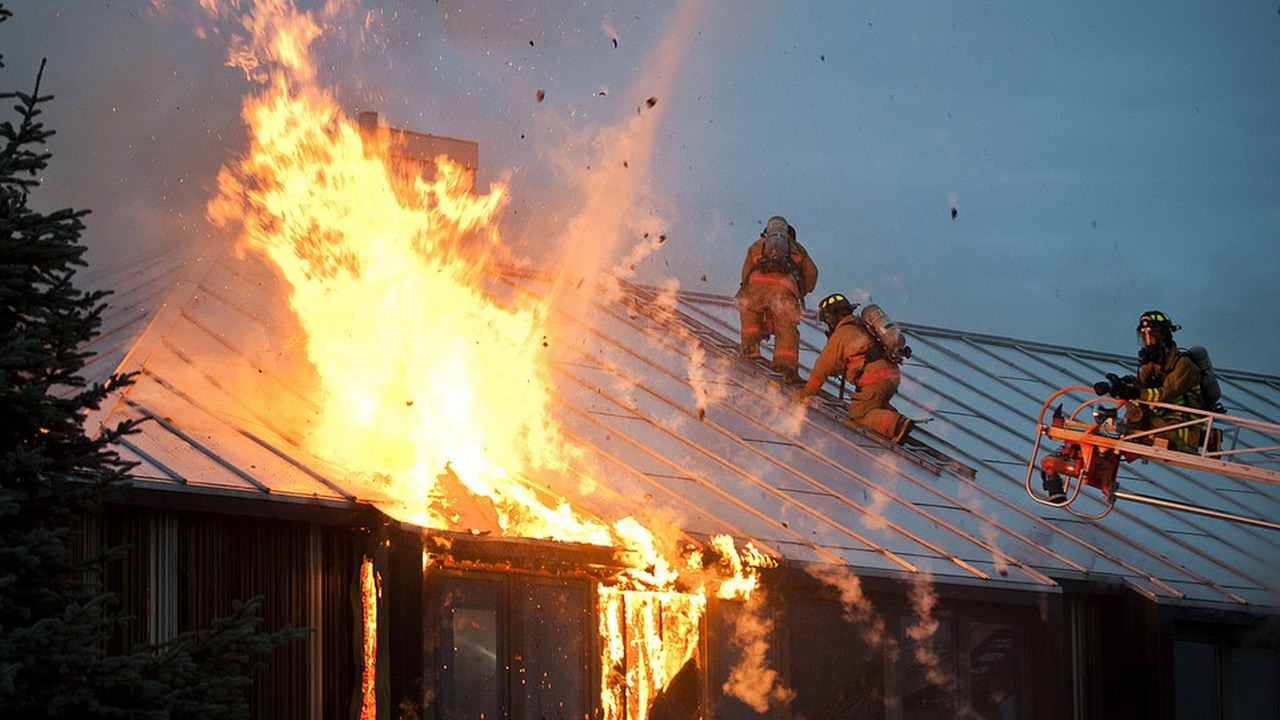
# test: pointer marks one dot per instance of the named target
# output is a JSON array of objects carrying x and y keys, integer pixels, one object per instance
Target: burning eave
[
  {"x": 464, "y": 551},
  {"x": 470, "y": 551}
]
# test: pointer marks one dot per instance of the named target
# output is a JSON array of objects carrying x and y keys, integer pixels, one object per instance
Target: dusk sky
[{"x": 1042, "y": 170}]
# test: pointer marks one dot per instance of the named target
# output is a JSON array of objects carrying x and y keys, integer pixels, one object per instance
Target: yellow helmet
[{"x": 833, "y": 309}]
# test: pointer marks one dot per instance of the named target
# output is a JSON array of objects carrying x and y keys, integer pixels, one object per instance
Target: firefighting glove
[{"x": 1122, "y": 388}]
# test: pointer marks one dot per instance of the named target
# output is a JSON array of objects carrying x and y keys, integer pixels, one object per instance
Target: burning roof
[{"x": 670, "y": 428}]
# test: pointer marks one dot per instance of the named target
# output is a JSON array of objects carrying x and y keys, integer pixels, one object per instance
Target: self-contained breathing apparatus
[
  {"x": 892, "y": 344},
  {"x": 775, "y": 255},
  {"x": 889, "y": 342}
]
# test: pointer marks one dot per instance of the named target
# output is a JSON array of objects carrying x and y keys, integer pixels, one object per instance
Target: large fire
[
  {"x": 422, "y": 372},
  {"x": 433, "y": 391}
]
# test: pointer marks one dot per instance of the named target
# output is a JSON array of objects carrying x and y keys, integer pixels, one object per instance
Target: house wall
[
  {"x": 972, "y": 655},
  {"x": 513, "y": 632},
  {"x": 184, "y": 568},
  {"x": 1128, "y": 657},
  {"x": 520, "y": 646}
]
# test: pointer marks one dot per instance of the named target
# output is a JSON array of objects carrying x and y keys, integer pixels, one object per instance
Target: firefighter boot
[{"x": 905, "y": 426}]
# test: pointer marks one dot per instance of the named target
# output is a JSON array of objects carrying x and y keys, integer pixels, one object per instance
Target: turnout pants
[
  {"x": 870, "y": 404},
  {"x": 760, "y": 304}
]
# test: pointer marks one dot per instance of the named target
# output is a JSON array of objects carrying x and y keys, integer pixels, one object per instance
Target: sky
[{"x": 1041, "y": 170}]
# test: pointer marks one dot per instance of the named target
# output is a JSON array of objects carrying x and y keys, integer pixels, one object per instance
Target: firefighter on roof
[
  {"x": 776, "y": 275},
  {"x": 854, "y": 352},
  {"x": 1166, "y": 375}
]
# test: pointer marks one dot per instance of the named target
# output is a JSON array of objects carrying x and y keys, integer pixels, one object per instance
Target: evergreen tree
[{"x": 55, "y": 618}]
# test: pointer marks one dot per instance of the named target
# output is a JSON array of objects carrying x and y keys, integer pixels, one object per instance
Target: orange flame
[
  {"x": 648, "y": 637},
  {"x": 370, "y": 590},
  {"x": 430, "y": 386},
  {"x": 432, "y": 391}
]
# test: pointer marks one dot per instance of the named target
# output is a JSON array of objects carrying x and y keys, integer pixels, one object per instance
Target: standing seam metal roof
[{"x": 677, "y": 427}]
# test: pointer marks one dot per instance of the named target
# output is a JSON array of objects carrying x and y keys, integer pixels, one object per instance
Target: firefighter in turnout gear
[
  {"x": 776, "y": 275},
  {"x": 1166, "y": 375},
  {"x": 853, "y": 352}
]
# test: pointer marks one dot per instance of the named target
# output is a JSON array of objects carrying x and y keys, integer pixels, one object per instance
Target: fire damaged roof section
[
  {"x": 677, "y": 429},
  {"x": 462, "y": 550}
]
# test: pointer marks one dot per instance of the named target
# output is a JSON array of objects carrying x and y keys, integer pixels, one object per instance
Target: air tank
[{"x": 888, "y": 334}]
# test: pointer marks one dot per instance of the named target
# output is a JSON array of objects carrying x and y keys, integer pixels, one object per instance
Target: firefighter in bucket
[{"x": 1166, "y": 375}]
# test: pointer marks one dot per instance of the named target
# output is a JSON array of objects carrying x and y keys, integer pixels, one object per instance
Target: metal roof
[{"x": 677, "y": 427}]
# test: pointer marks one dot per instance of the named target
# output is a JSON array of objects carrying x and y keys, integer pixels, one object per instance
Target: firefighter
[
  {"x": 853, "y": 352},
  {"x": 776, "y": 275},
  {"x": 1165, "y": 375}
]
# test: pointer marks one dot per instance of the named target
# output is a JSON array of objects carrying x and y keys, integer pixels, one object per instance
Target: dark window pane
[
  {"x": 1253, "y": 684},
  {"x": 929, "y": 678},
  {"x": 994, "y": 667},
  {"x": 725, "y": 623},
  {"x": 470, "y": 650},
  {"x": 551, "y": 664},
  {"x": 836, "y": 673},
  {"x": 475, "y": 667},
  {"x": 1195, "y": 684}
]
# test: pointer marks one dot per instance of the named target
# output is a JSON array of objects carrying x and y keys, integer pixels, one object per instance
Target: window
[
  {"x": 1215, "y": 679},
  {"x": 928, "y": 673},
  {"x": 966, "y": 662},
  {"x": 970, "y": 668},
  {"x": 994, "y": 661},
  {"x": 1253, "y": 679},
  {"x": 551, "y": 663},
  {"x": 469, "y": 653},
  {"x": 1195, "y": 680},
  {"x": 836, "y": 672},
  {"x": 508, "y": 646}
]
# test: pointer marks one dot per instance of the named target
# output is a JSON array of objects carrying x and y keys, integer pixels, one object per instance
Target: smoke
[
  {"x": 858, "y": 610},
  {"x": 922, "y": 630},
  {"x": 752, "y": 680},
  {"x": 614, "y": 204},
  {"x": 705, "y": 374},
  {"x": 610, "y": 182},
  {"x": 989, "y": 530}
]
